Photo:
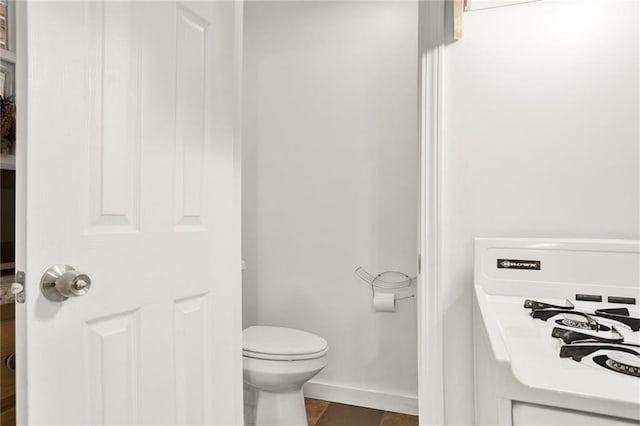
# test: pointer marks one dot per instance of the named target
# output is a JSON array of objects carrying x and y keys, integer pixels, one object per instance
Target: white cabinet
[{"x": 525, "y": 414}]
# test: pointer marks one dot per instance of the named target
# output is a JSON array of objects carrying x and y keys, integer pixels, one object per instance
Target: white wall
[
  {"x": 540, "y": 140},
  {"x": 330, "y": 181}
]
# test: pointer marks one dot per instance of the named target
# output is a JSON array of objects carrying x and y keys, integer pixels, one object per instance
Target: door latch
[{"x": 18, "y": 287}]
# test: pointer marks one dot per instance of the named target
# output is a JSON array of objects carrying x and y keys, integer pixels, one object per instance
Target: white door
[{"x": 132, "y": 177}]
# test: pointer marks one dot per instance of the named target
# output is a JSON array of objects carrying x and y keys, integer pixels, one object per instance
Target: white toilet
[{"x": 276, "y": 362}]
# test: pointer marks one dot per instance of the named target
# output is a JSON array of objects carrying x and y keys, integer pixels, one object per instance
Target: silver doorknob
[{"x": 61, "y": 282}]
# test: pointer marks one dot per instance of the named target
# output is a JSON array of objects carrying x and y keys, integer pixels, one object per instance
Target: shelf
[
  {"x": 7, "y": 55},
  {"x": 7, "y": 162}
]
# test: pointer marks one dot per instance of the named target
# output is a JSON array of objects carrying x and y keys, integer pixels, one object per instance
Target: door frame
[{"x": 431, "y": 35}]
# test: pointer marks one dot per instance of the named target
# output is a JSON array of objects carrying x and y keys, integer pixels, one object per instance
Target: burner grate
[
  {"x": 570, "y": 336},
  {"x": 620, "y": 357},
  {"x": 544, "y": 311}
]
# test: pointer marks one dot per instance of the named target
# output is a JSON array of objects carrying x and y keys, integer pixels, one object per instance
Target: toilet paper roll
[{"x": 384, "y": 302}]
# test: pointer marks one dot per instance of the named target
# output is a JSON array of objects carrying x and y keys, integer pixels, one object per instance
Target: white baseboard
[{"x": 406, "y": 404}]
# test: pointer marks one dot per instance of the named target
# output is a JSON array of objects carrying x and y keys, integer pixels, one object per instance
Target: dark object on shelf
[{"x": 7, "y": 125}]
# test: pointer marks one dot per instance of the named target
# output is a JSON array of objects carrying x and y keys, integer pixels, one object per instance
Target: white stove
[{"x": 556, "y": 332}]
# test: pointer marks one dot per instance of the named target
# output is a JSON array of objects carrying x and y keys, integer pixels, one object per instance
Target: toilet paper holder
[{"x": 395, "y": 282}]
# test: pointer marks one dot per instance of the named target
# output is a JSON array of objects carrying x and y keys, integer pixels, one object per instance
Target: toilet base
[
  {"x": 280, "y": 409},
  {"x": 273, "y": 390}
]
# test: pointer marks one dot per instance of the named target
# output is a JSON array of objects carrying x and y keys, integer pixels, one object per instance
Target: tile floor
[{"x": 325, "y": 413}]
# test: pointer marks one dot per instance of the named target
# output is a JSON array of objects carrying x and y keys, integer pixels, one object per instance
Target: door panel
[
  {"x": 132, "y": 177},
  {"x": 191, "y": 329},
  {"x": 112, "y": 368},
  {"x": 191, "y": 116},
  {"x": 113, "y": 54}
]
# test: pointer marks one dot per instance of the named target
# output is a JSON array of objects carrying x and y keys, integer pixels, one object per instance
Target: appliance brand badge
[{"x": 533, "y": 265}]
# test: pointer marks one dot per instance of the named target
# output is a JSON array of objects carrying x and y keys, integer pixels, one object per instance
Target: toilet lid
[{"x": 261, "y": 341}]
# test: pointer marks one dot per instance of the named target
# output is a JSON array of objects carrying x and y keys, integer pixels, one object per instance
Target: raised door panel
[
  {"x": 192, "y": 116},
  {"x": 192, "y": 331},
  {"x": 113, "y": 360},
  {"x": 114, "y": 102}
]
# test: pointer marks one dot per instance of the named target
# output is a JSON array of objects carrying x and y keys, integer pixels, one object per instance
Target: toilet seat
[
  {"x": 283, "y": 357},
  {"x": 282, "y": 344}
]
